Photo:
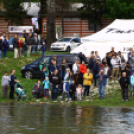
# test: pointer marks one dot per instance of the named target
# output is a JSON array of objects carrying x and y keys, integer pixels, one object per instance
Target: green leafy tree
[
  {"x": 14, "y": 11},
  {"x": 121, "y": 9},
  {"x": 93, "y": 11}
]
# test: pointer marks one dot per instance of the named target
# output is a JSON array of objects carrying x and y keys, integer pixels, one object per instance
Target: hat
[{"x": 68, "y": 69}]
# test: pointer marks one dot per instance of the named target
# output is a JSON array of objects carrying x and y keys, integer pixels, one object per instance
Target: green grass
[{"x": 111, "y": 100}]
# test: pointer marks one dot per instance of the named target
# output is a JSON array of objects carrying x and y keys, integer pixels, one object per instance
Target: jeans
[
  {"x": 124, "y": 93},
  {"x": 5, "y": 52},
  {"x": 35, "y": 47},
  {"x": 23, "y": 51},
  {"x": 132, "y": 87},
  {"x": 95, "y": 79},
  {"x": 65, "y": 90},
  {"x": 86, "y": 90},
  {"x": 62, "y": 74},
  {"x": 65, "y": 93},
  {"x": 54, "y": 92},
  {"x": 0, "y": 54},
  {"x": 132, "y": 70},
  {"x": 102, "y": 91},
  {"x": 43, "y": 53}
]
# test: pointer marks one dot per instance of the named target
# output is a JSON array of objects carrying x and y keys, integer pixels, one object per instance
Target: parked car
[
  {"x": 65, "y": 44},
  {"x": 32, "y": 70}
]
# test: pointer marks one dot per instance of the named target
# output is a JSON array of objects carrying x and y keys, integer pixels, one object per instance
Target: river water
[{"x": 64, "y": 119}]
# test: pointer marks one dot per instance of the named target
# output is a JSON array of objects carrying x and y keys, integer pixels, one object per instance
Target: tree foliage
[
  {"x": 14, "y": 11},
  {"x": 121, "y": 9},
  {"x": 92, "y": 10}
]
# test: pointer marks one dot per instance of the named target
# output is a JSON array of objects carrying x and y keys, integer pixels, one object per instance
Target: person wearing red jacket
[{"x": 83, "y": 68}]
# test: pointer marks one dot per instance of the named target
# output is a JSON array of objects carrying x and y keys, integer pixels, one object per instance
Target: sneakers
[
  {"x": 126, "y": 99},
  {"x": 112, "y": 81},
  {"x": 116, "y": 81},
  {"x": 122, "y": 99}
]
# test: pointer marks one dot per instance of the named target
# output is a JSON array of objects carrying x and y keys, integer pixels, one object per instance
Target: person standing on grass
[
  {"x": 3, "y": 36},
  {"x": 46, "y": 84},
  {"x": 13, "y": 80},
  {"x": 5, "y": 45},
  {"x": 132, "y": 84},
  {"x": 29, "y": 44},
  {"x": 43, "y": 47},
  {"x": 0, "y": 47},
  {"x": 87, "y": 82},
  {"x": 55, "y": 80},
  {"x": 124, "y": 81},
  {"x": 91, "y": 62},
  {"x": 15, "y": 46},
  {"x": 66, "y": 85},
  {"x": 62, "y": 68},
  {"x": 72, "y": 90},
  {"x": 115, "y": 61},
  {"x": 35, "y": 44},
  {"x": 102, "y": 83},
  {"x": 5, "y": 84},
  {"x": 96, "y": 70},
  {"x": 21, "y": 42}
]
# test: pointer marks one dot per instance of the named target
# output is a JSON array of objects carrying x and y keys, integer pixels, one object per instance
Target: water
[{"x": 60, "y": 119}]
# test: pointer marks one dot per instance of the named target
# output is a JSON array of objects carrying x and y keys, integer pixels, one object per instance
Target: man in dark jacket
[
  {"x": 124, "y": 81},
  {"x": 91, "y": 62},
  {"x": 29, "y": 44},
  {"x": 13, "y": 80},
  {"x": 35, "y": 44},
  {"x": 79, "y": 78},
  {"x": 55, "y": 80},
  {"x": 96, "y": 70},
  {"x": 5, "y": 46},
  {"x": 15, "y": 46}
]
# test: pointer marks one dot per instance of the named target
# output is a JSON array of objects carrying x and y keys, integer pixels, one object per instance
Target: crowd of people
[
  {"x": 22, "y": 43},
  {"x": 76, "y": 83}
]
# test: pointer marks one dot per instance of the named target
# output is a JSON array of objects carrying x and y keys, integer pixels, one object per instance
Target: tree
[
  {"x": 93, "y": 11},
  {"x": 14, "y": 11},
  {"x": 121, "y": 9}
]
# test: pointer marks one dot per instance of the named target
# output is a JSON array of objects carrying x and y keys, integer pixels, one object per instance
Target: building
[{"x": 73, "y": 25}]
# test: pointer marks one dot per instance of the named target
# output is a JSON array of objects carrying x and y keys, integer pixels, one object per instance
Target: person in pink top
[{"x": 83, "y": 68}]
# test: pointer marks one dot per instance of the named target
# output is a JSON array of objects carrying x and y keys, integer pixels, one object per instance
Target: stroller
[{"x": 20, "y": 92}]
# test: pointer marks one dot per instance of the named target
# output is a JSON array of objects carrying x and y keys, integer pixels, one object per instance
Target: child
[
  {"x": 79, "y": 92},
  {"x": 72, "y": 90},
  {"x": 46, "y": 84}
]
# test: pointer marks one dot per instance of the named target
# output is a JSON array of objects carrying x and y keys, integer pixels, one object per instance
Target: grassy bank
[{"x": 112, "y": 99}]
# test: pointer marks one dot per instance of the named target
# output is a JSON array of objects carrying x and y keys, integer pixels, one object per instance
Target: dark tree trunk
[{"x": 51, "y": 35}]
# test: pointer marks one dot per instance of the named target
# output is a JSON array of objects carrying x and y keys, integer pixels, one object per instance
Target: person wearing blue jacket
[
  {"x": 53, "y": 67},
  {"x": 46, "y": 84},
  {"x": 132, "y": 84},
  {"x": 5, "y": 45},
  {"x": 102, "y": 81}
]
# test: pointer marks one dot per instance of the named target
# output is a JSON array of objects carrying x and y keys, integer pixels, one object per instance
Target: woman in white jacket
[{"x": 75, "y": 67}]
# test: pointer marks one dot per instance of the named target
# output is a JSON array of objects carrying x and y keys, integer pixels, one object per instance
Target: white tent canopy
[
  {"x": 119, "y": 34},
  {"x": 119, "y": 30}
]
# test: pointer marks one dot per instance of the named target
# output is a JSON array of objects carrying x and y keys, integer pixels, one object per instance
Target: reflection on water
[{"x": 59, "y": 119}]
